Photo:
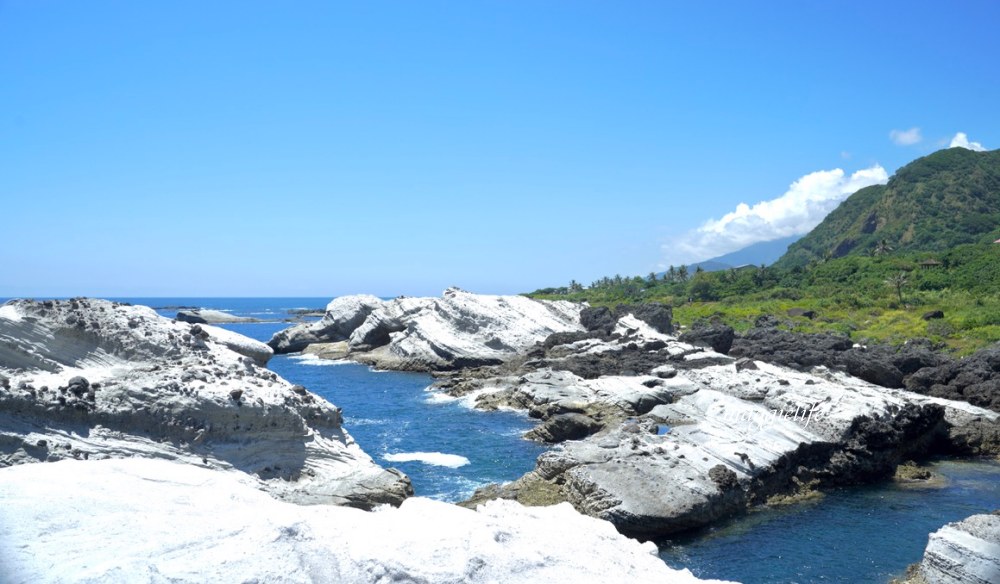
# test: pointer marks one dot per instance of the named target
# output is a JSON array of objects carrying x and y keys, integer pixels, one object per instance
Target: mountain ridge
[{"x": 947, "y": 198}]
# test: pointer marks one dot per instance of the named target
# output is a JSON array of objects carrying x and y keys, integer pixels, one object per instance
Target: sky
[{"x": 326, "y": 148}]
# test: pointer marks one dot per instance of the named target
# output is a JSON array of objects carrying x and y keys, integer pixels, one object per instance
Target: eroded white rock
[
  {"x": 95, "y": 379},
  {"x": 146, "y": 520}
]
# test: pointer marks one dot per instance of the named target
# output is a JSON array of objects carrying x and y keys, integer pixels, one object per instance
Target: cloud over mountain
[
  {"x": 906, "y": 137},
  {"x": 961, "y": 140},
  {"x": 806, "y": 202}
]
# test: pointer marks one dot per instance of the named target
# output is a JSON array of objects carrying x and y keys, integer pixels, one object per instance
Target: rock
[
  {"x": 204, "y": 316},
  {"x": 47, "y": 536},
  {"x": 603, "y": 320},
  {"x": 598, "y": 319},
  {"x": 964, "y": 552},
  {"x": 343, "y": 316},
  {"x": 718, "y": 337},
  {"x": 434, "y": 334},
  {"x": 745, "y": 364},
  {"x": 562, "y": 427},
  {"x": 723, "y": 477},
  {"x": 255, "y": 350},
  {"x": 933, "y": 314},
  {"x": 659, "y": 316},
  {"x": 737, "y": 436},
  {"x": 141, "y": 385},
  {"x": 333, "y": 351}
]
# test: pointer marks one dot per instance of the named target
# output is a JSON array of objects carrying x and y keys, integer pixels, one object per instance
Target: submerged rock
[
  {"x": 93, "y": 534},
  {"x": 205, "y": 316},
  {"x": 94, "y": 379}
]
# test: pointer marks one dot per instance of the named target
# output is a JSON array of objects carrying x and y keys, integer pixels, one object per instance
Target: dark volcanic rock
[
  {"x": 563, "y": 427},
  {"x": 717, "y": 336},
  {"x": 932, "y": 315}
]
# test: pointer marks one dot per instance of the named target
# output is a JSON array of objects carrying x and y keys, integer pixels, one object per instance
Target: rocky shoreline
[
  {"x": 718, "y": 422},
  {"x": 652, "y": 431},
  {"x": 109, "y": 412},
  {"x": 92, "y": 379}
]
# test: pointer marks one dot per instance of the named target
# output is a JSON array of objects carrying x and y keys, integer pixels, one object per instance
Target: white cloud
[
  {"x": 807, "y": 201},
  {"x": 961, "y": 140},
  {"x": 906, "y": 137}
]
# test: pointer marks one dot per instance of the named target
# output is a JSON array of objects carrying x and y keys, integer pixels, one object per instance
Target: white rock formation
[
  {"x": 456, "y": 330},
  {"x": 206, "y": 316},
  {"x": 157, "y": 521},
  {"x": 739, "y": 432},
  {"x": 95, "y": 379},
  {"x": 964, "y": 552}
]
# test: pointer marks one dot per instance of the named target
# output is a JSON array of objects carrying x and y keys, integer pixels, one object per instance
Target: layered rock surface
[
  {"x": 964, "y": 552},
  {"x": 915, "y": 366},
  {"x": 75, "y": 521},
  {"x": 430, "y": 334},
  {"x": 687, "y": 435},
  {"x": 91, "y": 379}
]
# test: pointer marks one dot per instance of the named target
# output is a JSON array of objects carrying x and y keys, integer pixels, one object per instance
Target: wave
[
  {"x": 434, "y": 458},
  {"x": 310, "y": 359}
]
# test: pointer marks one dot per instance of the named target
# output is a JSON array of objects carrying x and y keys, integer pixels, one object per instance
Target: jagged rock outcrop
[
  {"x": 75, "y": 521},
  {"x": 713, "y": 435},
  {"x": 91, "y": 379},
  {"x": 433, "y": 334},
  {"x": 964, "y": 552}
]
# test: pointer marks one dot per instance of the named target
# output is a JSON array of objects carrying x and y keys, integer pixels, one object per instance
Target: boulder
[
  {"x": 561, "y": 427},
  {"x": 343, "y": 316},
  {"x": 718, "y": 337},
  {"x": 933, "y": 314}
]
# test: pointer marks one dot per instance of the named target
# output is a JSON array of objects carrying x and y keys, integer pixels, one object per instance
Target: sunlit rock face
[
  {"x": 143, "y": 520},
  {"x": 91, "y": 379},
  {"x": 457, "y": 330}
]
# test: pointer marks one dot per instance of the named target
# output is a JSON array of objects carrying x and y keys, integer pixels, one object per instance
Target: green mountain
[{"x": 933, "y": 204}]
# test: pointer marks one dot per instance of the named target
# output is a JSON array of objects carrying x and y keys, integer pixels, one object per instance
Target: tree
[
  {"x": 651, "y": 277},
  {"x": 671, "y": 274},
  {"x": 682, "y": 274},
  {"x": 897, "y": 281},
  {"x": 881, "y": 248}
]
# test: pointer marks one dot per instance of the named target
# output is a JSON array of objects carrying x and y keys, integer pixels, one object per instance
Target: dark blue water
[{"x": 854, "y": 535}]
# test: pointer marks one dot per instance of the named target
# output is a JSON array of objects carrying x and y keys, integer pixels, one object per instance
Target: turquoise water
[{"x": 855, "y": 535}]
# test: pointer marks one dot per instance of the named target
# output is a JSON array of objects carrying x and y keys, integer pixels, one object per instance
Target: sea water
[{"x": 856, "y": 535}]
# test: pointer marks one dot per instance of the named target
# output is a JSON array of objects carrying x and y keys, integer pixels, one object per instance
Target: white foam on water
[
  {"x": 433, "y": 458},
  {"x": 310, "y": 359}
]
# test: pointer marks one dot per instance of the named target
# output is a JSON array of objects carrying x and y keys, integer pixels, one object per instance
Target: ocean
[{"x": 851, "y": 535}]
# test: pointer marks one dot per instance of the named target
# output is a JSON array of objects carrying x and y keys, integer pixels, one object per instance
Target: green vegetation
[
  {"x": 880, "y": 261},
  {"x": 933, "y": 204},
  {"x": 871, "y": 298}
]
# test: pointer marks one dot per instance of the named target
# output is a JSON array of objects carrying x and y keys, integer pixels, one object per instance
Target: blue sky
[{"x": 325, "y": 148}]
